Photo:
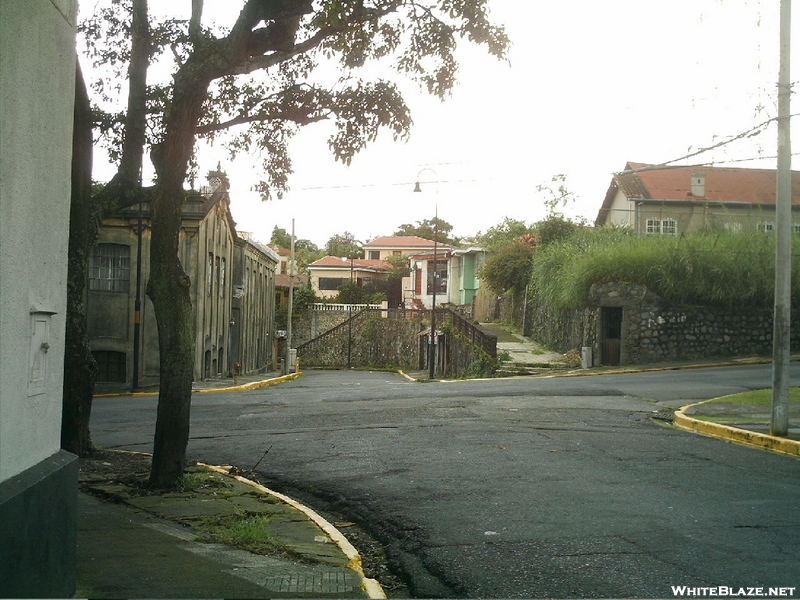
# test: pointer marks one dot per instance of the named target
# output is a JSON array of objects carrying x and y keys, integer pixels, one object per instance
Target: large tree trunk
[
  {"x": 79, "y": 365},
  {"x": 168, "y": 288},
  {"x": 169, "y": 285}
]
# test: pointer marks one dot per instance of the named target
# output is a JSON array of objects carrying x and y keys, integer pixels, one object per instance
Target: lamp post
[
  {"x": 350, "y": 251},
  {"x": 432, "y": 349}
]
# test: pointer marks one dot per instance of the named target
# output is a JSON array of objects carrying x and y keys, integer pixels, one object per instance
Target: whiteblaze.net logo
[{"x": 724, "y": 591}]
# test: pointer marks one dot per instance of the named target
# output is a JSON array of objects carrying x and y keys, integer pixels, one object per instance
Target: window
[
  {"x": 374, "y": 254},
  {"x": 210, "y": 273},
  {"x": 733, "y": 227},
  {"x": 439, "y": 275},
  {"x": 663, "y": 226},
  {"x": 222, "y": 280},
  {"x": 111, "y": 366},
  {"x": 331, "y": 283},
  {"x": 110, "y": 268},
  {"x": 765, "y": 226}
]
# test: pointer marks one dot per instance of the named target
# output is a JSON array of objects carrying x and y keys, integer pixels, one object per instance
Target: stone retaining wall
[{"x": 654, "y": 330}]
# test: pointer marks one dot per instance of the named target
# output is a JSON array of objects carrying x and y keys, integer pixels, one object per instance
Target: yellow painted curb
[
  {"x": 734, "y": 434},
  {"x": 254, "y": 385},
  {"x": 370, "y": 586},
  {"x": 406, "y": 375}
]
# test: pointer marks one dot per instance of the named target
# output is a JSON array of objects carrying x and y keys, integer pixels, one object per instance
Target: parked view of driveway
[{"x": 561, "y": 487}]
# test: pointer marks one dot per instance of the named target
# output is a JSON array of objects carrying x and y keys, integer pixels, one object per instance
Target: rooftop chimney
[{"x": 699, "y": 185}]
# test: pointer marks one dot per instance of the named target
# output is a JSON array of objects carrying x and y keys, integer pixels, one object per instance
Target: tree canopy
[
  {"x": 430, "y": 229},
  {"x": 251, "y": 85},
  {"x": 344, "y": 244}
]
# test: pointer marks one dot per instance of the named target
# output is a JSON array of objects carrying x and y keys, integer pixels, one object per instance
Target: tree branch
[
  {"x": 136, "y": 114},
  {"x": 195, "y": 31},
  {"x": 296, "y": 116}
]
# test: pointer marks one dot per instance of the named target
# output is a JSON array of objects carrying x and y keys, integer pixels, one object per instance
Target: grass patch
[
  {"x": 191, "y": 481},
  {"x": 245, "y": 531},
  {"x": 755, "y": 397}
]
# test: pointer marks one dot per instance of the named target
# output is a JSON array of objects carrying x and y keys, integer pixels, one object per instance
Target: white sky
[{"x": 591, "y": 86}]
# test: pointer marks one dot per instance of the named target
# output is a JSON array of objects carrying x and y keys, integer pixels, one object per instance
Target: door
[{"x": 610, "y": 335}]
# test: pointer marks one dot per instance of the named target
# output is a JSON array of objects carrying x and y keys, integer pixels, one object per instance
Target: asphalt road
[{"x": 534, "y": 488}]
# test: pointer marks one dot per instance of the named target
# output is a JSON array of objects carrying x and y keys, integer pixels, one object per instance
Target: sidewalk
[{"x": 131, "y": 544}]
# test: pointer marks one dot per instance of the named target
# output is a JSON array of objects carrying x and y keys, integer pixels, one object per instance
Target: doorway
[{"x": 610, "y": 335}]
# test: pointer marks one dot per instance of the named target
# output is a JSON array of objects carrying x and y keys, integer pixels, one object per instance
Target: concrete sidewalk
[{"x": 131, "y": 544}]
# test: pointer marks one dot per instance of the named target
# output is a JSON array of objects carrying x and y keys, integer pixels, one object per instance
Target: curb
[
  {"x": 734, "y": 434},
  {"x": 370, "y": 586},
  {"x": 253, "y": 385}
]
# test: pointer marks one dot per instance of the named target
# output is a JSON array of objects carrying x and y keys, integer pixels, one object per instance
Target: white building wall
[
  {"x": 37, "y": 83},
  {"x": 622, "y": 211}
]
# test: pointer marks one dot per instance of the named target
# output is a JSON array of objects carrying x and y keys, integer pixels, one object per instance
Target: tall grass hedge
[{"x": 706, "y": 268}]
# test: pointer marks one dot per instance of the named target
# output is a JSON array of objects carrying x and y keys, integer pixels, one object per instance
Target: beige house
[
  {"x": 674, "y": 200},
  {"x": 418, "y": 287},
  {"x": 330, "y": 272}
]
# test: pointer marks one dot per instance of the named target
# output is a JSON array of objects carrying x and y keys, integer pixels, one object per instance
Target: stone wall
[
  {"x": 311, "y": 323},
  {"x": 372, "y": 341},
  {"x": 397, "y": 340},
  {"x": 654, "y": 330}
]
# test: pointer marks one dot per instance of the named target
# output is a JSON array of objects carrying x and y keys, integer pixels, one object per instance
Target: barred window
[
  {"x": 110, "y": 268},
  {"x": 111, "y": 366}
]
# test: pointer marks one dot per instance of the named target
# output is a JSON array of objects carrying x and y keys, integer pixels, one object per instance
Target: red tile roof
[
  {"x": 281, "y": 250},
  {"x": 400, "y": 241},
  {"x": 344, "y": 263},
  {"x": 641, "y": 181},
  {"x": 282, "y": 281},
  {"x": 722, "y": 184}
]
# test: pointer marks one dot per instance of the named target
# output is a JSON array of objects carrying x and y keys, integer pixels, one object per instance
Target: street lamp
[{"x": 432, "y": 349}]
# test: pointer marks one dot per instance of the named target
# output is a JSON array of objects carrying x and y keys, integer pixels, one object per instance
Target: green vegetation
[
  {"x": 709, "y": 268},
  {"x": 755, "y": 397},
  {"x": 245, "y": 531}
]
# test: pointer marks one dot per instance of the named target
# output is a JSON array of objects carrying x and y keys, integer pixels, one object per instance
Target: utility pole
[
  {"x": 290, "y": 307},
  {"x": 779, "y": 424}
]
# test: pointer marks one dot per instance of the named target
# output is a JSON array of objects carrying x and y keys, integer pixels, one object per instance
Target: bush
[{"x": 709, "y": 268}]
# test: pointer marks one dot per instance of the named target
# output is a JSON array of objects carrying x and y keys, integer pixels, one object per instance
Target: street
[{"x": 560, "y": 487}]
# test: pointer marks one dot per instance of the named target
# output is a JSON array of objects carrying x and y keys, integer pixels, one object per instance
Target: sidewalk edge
[
  {"x": 370, "y": 586},
  {"x": 252, "y": 385},
  {"x": 734, "y": 434}
]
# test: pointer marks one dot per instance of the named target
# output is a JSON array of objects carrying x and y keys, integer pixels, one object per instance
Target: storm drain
[{"x": 319, "y": 583}]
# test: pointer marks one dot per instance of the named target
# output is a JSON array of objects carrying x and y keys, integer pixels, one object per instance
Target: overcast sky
[{"x": 590, "y": 86}]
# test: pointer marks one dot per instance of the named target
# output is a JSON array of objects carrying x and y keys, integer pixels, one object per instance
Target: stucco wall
[
  {"x": 38, "y": 482},
  {"x": 37, "y": 82}
]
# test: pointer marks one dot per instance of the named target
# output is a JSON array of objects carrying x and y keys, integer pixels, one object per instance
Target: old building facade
[{"x": 232, "y": 286}]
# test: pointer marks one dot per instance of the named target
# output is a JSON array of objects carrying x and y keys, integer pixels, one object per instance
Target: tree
[
  {"x": 280, "y": 237},
  {"x": 252, "y": 86},
  {"x": 344, "y": 244},
  {"x": 430, "y": 229},
  {"x": 509, "y": 268},
  {"x": 558, "y": 197},
  {"x": 503, "y": 234}
]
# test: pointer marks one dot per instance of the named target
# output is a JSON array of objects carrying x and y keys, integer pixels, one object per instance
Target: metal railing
[{"x": 325, "y": 307}]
